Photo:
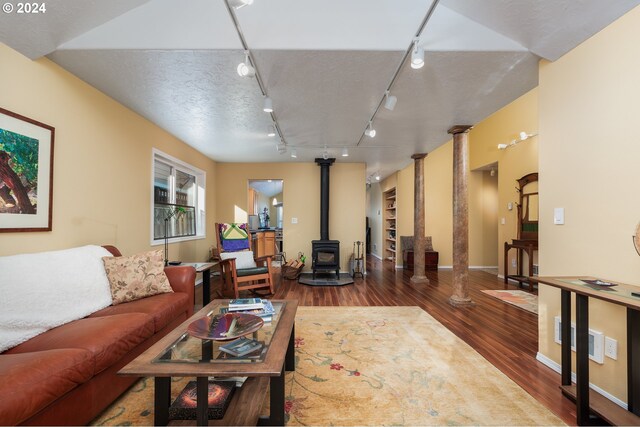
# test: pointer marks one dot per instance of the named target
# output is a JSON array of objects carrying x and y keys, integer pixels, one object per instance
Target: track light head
[
  {"x": 502, "y": 146},
  {"x": 271, "y": 131},
  {"x": 268, "y": 105},
  {"x": 417, "y": 55},
  {"x": 282, "y": 148},
  {"x": 325, "y": 153},
  {"x": 370, "y": 132},
  {"x": 345, "y": 152},
  {"x": 377, "y": 176},
  {"x": 390, "y": 102},
  {"x": 244, "y": 68},
  {"x": 237, "y": 4},
  {"x": 294, "y": 154}
]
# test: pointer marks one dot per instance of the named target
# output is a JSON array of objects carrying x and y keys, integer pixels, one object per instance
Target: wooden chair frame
[{"x": 240, "y": 283}]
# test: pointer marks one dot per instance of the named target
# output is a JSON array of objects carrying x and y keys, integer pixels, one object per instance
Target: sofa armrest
[{"x": 182, "y": 279}]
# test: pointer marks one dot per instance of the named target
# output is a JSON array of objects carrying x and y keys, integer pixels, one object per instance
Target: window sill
[{"x": 158, "y": 242}]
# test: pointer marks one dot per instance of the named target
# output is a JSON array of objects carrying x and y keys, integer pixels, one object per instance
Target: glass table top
[{"x": 190, "y": 349}]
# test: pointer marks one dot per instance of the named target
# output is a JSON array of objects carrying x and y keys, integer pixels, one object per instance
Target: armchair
[{"x": 239, "y": 267}]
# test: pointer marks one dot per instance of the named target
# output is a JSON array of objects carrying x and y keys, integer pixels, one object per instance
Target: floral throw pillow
[{"x": 137, "y": 276}]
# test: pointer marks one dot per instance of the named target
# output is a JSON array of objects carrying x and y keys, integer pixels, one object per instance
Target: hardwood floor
[{"x": 505, "y": 335}]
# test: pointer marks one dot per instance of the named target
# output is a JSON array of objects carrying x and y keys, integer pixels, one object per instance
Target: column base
[
  {"x": 419, "y": 280},
  {"x": 460, "y": 302}
]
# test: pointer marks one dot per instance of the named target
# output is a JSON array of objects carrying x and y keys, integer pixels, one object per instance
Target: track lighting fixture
[
  {"x": 244, "y": 68},
  {"x": 325, "y": 153},
  {"x": 282, "y": 148},
  {"x": 345, "y": 152},
  {"x": 237, "y": 4},
  {"x": 390, "y": 102},
  {"x": 294, "y": 154},
  {"x": 523, "y": 137},
  {"x": 377, "y": 176},
  {"x": 370, "y": 132},
  {"x": 417, "y": 55},
  {"x": 268, "y": 105},
  {"x": 271, "y": 131}
]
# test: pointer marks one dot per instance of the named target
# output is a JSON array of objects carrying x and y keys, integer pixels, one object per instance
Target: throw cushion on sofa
[{"x": 137, "y": 276}]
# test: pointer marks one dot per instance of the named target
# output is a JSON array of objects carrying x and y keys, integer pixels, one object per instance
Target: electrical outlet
[
  {"x": 294, "y": 220},
  {"x": 513, "y": 262},
  {"x": 375, "y": 246},
  {"x": 611, "y": 348}
]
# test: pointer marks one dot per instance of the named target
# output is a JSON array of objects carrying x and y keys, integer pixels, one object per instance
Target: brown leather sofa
[{"x": 67, "y": 375}]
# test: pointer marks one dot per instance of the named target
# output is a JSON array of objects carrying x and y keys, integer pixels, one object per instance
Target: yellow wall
[
  {"x": 502, "y": 127},
  {"x": 589, "y": 165},
  {"x": 102, "y": 171},
  {"x": 301, "y": 200}
]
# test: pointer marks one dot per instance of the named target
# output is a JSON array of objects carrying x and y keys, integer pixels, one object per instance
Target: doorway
[{"x": 265, "y": 209}]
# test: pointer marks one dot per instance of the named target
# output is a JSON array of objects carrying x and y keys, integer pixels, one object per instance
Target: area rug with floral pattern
[
  {"x": 524, "y": 300},
  {"x": 378, "y": 366}
]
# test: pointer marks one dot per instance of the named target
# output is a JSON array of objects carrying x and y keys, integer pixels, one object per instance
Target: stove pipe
[{"x": 324, "y": 196}]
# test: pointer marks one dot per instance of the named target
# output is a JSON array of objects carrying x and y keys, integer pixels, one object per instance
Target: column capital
[
  {"x": 418, "y": 156},
  {"x": 459, "y": 129}
]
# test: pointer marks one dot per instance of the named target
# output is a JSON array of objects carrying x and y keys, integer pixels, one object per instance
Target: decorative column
[
  {"x": 419, "y": 245},
  {"x": 460, "y": 296}
]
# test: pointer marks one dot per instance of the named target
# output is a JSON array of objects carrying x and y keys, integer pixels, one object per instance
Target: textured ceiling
[{"x": 325, "y": 64}]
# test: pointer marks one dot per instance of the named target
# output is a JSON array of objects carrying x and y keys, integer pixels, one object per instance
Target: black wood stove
[{"x": 325, "y": 253}]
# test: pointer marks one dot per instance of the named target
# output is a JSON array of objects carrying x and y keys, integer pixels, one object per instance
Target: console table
[{"x": 587, "y": 401}]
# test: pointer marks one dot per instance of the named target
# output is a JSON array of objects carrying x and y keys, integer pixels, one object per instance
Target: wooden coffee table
[{"x": 180, "y": 355}]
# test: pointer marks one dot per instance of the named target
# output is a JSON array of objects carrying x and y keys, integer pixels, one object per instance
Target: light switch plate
[
  {"x": 558, "y": 216},
  {"x": 294, "y": 220}
]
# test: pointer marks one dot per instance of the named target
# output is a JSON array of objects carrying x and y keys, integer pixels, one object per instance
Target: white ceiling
[{"x": 325, "y": 64}]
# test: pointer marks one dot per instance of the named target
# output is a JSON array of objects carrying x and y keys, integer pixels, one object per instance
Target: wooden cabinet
[
  {"x": 263, "y": 243},
  {"x": 389, "y": 224}
]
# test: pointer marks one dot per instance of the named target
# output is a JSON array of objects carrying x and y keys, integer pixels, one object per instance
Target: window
[{"x": 178, "y": 205}]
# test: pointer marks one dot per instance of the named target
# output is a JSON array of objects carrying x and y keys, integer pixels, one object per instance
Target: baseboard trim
[
  {"x": 445, "y": 267},
  {"x": 376, "y": 256},
  {"x": 556, "y": 367},
  {"x": 480, "y": 267}
]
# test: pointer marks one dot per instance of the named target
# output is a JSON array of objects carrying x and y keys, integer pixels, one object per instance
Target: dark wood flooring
[{"x": 505, "y": 335}]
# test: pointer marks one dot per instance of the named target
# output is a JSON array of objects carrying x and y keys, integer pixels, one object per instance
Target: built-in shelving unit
[{"x": 389, "y": 224}]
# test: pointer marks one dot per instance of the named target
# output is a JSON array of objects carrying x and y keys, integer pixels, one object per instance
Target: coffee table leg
[
  {"x": 202, "y": 409},
  {"x": 206, "y": 287},
  {"x": 162, "y": 401},
  {"x": 276, "y": 400},
  {"x": 290, "y": 358}
]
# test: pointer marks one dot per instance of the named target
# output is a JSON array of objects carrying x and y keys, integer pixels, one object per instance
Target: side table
[{"x": 205, "y": 269}]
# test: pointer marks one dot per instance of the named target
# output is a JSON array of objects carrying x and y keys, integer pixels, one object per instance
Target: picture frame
[{"x": 26, "y": 173}]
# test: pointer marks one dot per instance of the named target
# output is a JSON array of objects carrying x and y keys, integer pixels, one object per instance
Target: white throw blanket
[{"x": 43, "y": 290}]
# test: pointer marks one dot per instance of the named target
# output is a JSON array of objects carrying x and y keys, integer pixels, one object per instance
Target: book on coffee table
[
  {"x": 241, "y": 346},
  {"x": 220, "y": 393},
  {"x": 245, "y": 304}
]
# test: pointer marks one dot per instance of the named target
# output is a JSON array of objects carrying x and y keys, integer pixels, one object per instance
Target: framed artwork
[{"x": 26, "y": 173}]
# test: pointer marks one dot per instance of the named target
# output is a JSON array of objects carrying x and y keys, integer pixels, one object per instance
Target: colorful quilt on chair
[{"x": 234, "y": 237}]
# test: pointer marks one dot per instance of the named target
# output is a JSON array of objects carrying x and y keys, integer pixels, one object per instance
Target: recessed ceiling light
[{"x": 345, "y": 152}]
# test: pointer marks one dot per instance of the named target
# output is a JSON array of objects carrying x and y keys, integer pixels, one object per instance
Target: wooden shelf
[
  {"x": 604, "y": 408},
  {"x": 390, "y": 222}
]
